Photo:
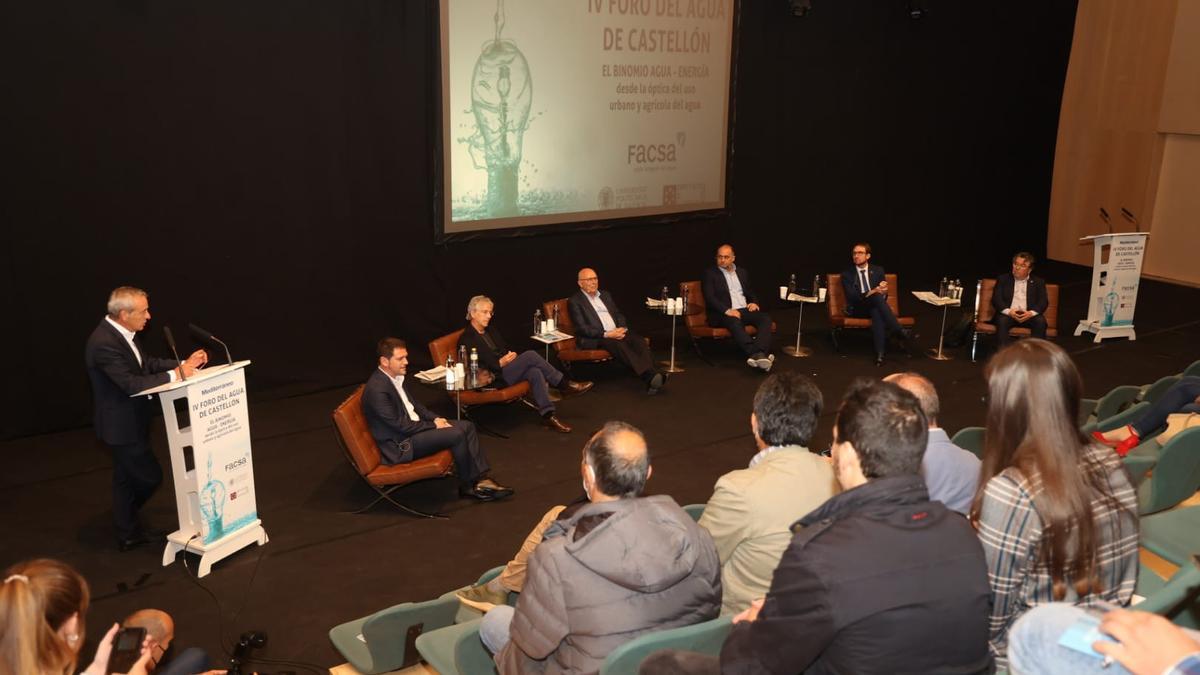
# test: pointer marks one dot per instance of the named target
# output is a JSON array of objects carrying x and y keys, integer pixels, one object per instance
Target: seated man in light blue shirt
[{"x": 951, "y": 473}]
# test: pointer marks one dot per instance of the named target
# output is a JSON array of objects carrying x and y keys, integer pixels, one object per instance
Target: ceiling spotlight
[{"x": 800, "y": 7}]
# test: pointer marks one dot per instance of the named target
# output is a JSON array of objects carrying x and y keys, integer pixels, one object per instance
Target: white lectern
[
  {"x": 208, "y": 430},
  {"x": 1116, "y": 272}
]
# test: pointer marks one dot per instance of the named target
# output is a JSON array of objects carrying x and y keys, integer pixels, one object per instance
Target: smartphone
[{"x": 126, "y": 650}]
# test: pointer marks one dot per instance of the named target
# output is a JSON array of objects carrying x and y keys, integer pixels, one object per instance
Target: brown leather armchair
[
  {"x": 350, "y": 427},
  {"x": 836, "y": 307},
  {"x": 696, "y": 318},
  {"x": 447, "y": 345},
  {"x": 567, "y": 350},
  {"x": 984, "y": 312}
]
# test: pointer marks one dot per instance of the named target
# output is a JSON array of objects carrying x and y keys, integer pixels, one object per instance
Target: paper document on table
[
  {"x": 552, "y": 337},
  {"x": 655, "y": 303},
  {"x": 933, "y": 299},
  {"x": 796, "y": 297},
  {"x": 433, "y": 374}
]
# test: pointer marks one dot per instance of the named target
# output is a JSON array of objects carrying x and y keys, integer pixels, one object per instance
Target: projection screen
[{"x": 562, "y": 111}]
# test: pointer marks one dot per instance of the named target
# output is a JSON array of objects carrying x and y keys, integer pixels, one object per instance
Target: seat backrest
[
  {"x": 693, "y": 298},
  {"x": 1169, "y": 600},
  {"x": 970, "y": 439},
  {"x": 893, "y": 297},
  {"x": 1177, "y": 474},
  {"x": 705, "y": 637},
  {"x": 351, "y": 424},
  {"x": 836, "y": 297},
  {"x": 564, "y": 321},
  {"x": 445, "y": 346},
  {"x": 987, "y": 287},
  {"x": 1051, "y": 306}
]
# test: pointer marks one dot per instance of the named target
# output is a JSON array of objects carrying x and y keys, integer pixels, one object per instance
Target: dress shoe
[
  {"x": 655, "y": 383},
  {"x": 572, "y": 388},
  {"x": 481, "y": 597},
  {"x": 477, "y": 493},
  {"x": 765, "y": 362},
  {"x": 133, "y": 542},
  {"x": 1101, "y": 438},
  {"x": 498, "y": 491},
  {"x": 879, "y": 359},
  {"x": 554, "y": 424}
]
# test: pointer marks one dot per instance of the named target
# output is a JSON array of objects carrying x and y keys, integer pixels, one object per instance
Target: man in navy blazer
[
  {"x": 406, "y": 430},
  {"x": 1019, "y": 300},
  {"x": 118, "y": 366},
  {"x": 866, "y": 290},
  {"x": 599, "y": 324},
  {"x": 733, "y": 305}
]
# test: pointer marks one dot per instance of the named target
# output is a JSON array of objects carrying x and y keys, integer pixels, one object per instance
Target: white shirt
[
  {"x": 1020, "y": 299},
  {"x": 606, "y": 319},
  {"x": 398, "y": 383},
  {"x": 129, "y": 335},
  {"x": 737, "y": 297},
  {"x": 762, "y": 454}
]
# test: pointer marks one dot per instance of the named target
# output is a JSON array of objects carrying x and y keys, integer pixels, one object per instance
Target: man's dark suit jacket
[
  {"x": 588, "y": 329},
  {"x": 488, "y": 359},
  {"x": 854, "y": 296},
  {"x": 716, "y": 290},
  {"x": 388, "y": 420},
  {"x": 115, "y": 374},
  {"x": 1035, "y": 294}
]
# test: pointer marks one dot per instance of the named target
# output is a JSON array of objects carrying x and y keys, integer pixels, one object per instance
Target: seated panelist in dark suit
[
  {"x": 866, "y": 291},
  {"x": 406, "y": 430},
  {"x": 118, "y": 365},
  {"x": 599, "y": 324},
  {"x": 1019, "y": 300},
  {"x": 508, "y": 367},
  {"x": 732, "y": 305}
]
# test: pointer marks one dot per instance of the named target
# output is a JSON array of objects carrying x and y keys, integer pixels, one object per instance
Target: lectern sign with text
[
  {"x": 1116, "y": 274},
  {"x": 221, "y": 448}
]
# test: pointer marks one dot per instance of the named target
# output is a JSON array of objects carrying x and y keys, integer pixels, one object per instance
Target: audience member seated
[
  {"x": 1182, "y": 397},
  {"x": 512, "y": 579},
  {"x": 751, "y": 511},
  {"x": 406, "y": 430},
  {"x": 1057, "y": 516},
  {"x": 621, "y": 566},
  {"x": 866, "y": 292},
  {"x": 43, "y": 604},
  {"x": 879, "y": 579},
  {"x": 160, "y": 634},
  {"x": 951, "y": 473},
  {"x": 1146, "y": 644},
  {"x": 1019, "y": 300},
  {"x": 599, "y": 324},
  {"x": 511, "y": 368},
  {"x": 733, "y": 305}
]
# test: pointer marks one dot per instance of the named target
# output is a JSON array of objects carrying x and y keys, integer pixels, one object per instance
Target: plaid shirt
[{"x": 1010, "y": 530}]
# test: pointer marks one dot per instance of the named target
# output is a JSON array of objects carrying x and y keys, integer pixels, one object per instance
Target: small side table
[
  {"x": 671, "y": 366},
  {"x": 945, "y": 304},
  {"x": 798, "y": 350},
  {"x": 467, "y": 383},
  {"x": 548, "y": 339}
]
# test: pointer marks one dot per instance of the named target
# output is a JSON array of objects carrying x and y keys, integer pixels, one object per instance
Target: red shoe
[
  {"x": 1099, "y": 436},
  {"x": 1126, "y": 445}
]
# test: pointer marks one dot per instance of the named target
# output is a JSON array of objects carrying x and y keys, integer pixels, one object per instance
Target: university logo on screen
[{"x": 654, "y": 153}]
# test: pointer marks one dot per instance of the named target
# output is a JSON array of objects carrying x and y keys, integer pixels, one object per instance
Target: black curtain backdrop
[{"x": 262, "y": 167}]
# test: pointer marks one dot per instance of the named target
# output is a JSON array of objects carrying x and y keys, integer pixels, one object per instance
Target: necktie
[{"x": 862, "y": 274}]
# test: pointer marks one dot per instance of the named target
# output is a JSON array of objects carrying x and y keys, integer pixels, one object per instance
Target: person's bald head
[
  {"x": 160, "y": 628},
  {"x": 920, "y": 386},
  {"x": 588, "y": 280},
  {"x": 616, "y": 462}
]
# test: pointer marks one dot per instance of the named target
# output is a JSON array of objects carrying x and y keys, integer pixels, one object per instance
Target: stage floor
[{"x": 324, "y": 566}]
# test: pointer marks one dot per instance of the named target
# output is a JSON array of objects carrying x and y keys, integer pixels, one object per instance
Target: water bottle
[
  {"x": 449, "y": 374},
  {"x": 554, "y": 318},
  {"x": 957, "y": 289},
  {"x": 791, "y": 284},
  {"x": 664, "y": 295},
  {"x": 474, "y": 363},
  {"x": 816, "y": 289},
  {"x": 537, "y": 322},
  {"x": 462, "y": 354},
  {"x": 684, "y": 293},
  {"x": 944, "y": 288}
]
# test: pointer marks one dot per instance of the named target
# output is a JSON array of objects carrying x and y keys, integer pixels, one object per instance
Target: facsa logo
[{"x": 651, "y": 154}]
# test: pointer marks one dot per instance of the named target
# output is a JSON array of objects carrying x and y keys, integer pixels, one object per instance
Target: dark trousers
[
  {"x": 532, "y": 368},
  {"x": 1179, "y": 398},
  {"x": 737, "y": 328},
  {"x": 631, "y": 351},
  {"x": 883, "y": 321},
  {"x": 136, "y": 475},
  {"x": 469, "y": 462},
  {"x": 1036, "y": 326}
]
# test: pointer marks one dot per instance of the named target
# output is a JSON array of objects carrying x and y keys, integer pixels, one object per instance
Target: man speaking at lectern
[{"x": 118, "y": 365}]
